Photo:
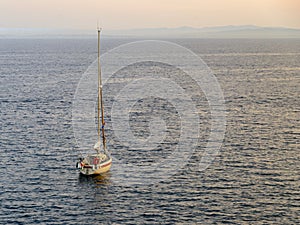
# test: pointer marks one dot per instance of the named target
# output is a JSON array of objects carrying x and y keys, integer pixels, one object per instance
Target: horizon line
[{"x": 162, "y": 27}]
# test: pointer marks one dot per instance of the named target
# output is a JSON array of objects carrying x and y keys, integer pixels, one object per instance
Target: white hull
[{"x": 95, "y": 164}]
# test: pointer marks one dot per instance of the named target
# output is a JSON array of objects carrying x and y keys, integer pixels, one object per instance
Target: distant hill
[{"x": 246, "y": 31}]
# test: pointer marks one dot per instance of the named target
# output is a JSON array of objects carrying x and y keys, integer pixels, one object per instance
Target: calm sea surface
[{"x": 255, "y": 179}]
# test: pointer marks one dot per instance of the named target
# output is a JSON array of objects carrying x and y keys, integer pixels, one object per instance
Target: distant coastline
[{"x": 245, "y": 31}]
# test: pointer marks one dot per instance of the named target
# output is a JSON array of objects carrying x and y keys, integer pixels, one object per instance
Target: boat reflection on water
[{"x": 99, "y": 180}]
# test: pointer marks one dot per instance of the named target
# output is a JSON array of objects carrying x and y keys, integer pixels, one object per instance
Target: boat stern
[{"x": 94, "y": 165}]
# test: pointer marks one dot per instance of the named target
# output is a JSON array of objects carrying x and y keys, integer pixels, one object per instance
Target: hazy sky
[{"x": 124, "y": 14}]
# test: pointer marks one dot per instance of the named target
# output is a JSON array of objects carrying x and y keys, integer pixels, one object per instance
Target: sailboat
[{"x": 101, "y": 161}]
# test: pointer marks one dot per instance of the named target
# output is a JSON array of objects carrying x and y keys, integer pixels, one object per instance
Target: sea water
[{"x": 253, "y": 179}]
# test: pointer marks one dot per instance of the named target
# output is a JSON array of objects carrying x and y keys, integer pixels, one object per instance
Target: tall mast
[{"x": 100, "y": 100}]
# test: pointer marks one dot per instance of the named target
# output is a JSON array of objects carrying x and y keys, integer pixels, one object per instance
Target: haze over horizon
[
  {"x": 244, "y": 31},
  {"x": 132, "y": 14}
]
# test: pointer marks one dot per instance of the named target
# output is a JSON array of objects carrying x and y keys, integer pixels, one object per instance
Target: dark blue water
[{"x": 254, "y": 179}]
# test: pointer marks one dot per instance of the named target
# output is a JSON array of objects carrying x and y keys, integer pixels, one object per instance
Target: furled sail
[{"x": 97, "y": 146}]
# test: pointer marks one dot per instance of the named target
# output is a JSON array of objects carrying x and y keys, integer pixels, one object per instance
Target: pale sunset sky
[{"x": 128, "y": 14}]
